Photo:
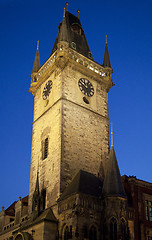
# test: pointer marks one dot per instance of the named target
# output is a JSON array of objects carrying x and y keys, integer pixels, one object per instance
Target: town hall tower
[{"x": 70, "y": 123}]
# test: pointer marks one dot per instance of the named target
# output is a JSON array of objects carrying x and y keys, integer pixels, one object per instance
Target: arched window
[
  {"x": 93, "y": 233},
  {"x": 66, "y": 233},
  {"x": 123, "y": 229},
  {"x": 113, "y": 229},
  {"x": 19, "y": 237}
]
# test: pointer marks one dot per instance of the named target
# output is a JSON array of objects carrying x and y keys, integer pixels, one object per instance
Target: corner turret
[
  {"x": 106, "y": 59},
  {"x": 113, "y": 185},
  {"x": 36, "y": 65}
]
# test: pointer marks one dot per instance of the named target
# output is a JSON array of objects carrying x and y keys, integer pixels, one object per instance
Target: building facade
[{"x": 76, "y": 190}]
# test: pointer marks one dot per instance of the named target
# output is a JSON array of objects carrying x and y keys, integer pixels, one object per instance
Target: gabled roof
[
  {"x": 48, "y": 215},
  {"x": 106, "y": 59},
  {"x": 83, "y": 182},
  {"x": 113, "y": 185},
  {"x": 10, "y": 211},
  {"x": 70, "y": 30}
]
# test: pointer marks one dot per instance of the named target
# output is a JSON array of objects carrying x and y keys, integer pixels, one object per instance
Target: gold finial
[
  {"x": 106, "y": 39},
  {"x": 67, "y": 6},
  {"x": 111, "y": 134},
  {"x": 38, "y": 45},
  {"x": 78, "y": 11}
]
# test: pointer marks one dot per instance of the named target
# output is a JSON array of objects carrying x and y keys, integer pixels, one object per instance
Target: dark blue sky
[{"x": 128, "y": 25}]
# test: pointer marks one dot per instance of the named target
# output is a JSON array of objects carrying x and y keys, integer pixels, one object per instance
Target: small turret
[
  {"x": 106, "y": 59},
  {"x": 113, "y": 185},
  {"x": 36, "y": 64},
  {"x": 36, "y": 200}
]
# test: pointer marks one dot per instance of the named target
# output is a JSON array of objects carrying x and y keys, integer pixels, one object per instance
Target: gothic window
[
  {"x": 113, "y": 229},
  {"x": 45, "y": 148},
  {"x": 93, "y": 233},
  {"x": 77, "y": 29},
  {"x": 85, "y": 232},
  {"x": 148, "y": 210},
  {"x": 123, "y": 229},
  {"x": 19, "y": 237}
]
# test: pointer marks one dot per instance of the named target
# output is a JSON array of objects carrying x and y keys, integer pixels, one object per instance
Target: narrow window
[
  {"x": 113, "y": 229},
  {"x": 45, "y": 148},
  {"x": 66, "y": 233},
  {"x": 93, "y": 233},
  {"x": 148, "y": 210},
  {"x": 43, "y": 198},
  {"x": 123, "y": 229}
]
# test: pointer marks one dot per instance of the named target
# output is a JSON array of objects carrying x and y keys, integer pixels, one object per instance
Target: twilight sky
[{"x": 128, "y": 25}]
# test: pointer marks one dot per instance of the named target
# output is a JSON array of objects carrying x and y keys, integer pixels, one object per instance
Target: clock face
[
  {"x": 47, "y": 89},
  {"x": 86, "y": 87}
]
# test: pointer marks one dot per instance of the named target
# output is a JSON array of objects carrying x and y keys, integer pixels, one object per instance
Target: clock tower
[{"x": 70, "y": 122}]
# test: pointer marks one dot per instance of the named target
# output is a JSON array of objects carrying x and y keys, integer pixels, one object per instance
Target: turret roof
[
  {"x": 106, "y": 59},
  {"x": 71, "y": 31},
  {"x": 36, "y": 65},
  {"x": 113, "y": 185}
]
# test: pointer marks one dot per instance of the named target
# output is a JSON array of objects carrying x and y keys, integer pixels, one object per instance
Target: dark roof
[
  {"x": 106, "y": 59},
  {"x": 83, "y": 182},
  {"x": 36, "y": 65},
  {"x": 70, "y": 30},
  {"x": 11, "y": 210},
  {"x": 113, "y": 185},
  {"x": 48, "y": 215}
]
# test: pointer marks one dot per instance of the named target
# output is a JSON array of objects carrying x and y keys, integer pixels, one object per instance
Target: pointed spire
[
  {"x": 106, "y": 59},
  {"x": 67, "y": 4},
  {"x": 64, "y": 12},
  {"x": 78, "y": 11},
  {"x": 71, "y": 31},
  {"x": 63, "y": 32},
  {"x": 36, "y": 65},
  {"x": 113, "y": 186}
]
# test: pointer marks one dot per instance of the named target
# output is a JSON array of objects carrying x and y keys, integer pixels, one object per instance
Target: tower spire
[
  {"x": 36, "y": 64},
  {"x": 67, "y": 4},
  {"x": 64, "y": 12},
  {"x": 78, "y": 11},
  {"x": 113, "y": 185},
  {"x": 106, "y": 59}
]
